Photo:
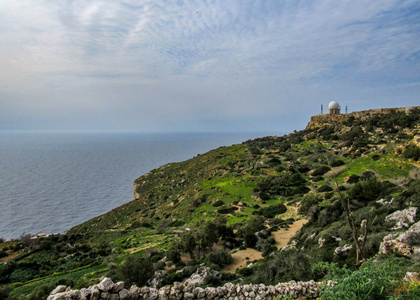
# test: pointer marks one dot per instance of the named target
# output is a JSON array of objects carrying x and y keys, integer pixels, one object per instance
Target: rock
[
  {"x": 199, "y": 293},
  {"x": 198, "y": 277},
  {"x": 124, "y": 294},
  {"x": 158, "y": 279},
  {"x": 84, "y": 294},
  {"x": 114, "y": 297},
  {"x": 58, "y": 289},
  {"x": 117, "y": 287},
  {"x": 343, "y": 250},
  {"x": 95, "y": 294},
  {"x": 106, "y": 285},
  {"x": 405, "y": 243},
  {"x": 401, "y": 218},
  {"x": 412, "y": 277}
]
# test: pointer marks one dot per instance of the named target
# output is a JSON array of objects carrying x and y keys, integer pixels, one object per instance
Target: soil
[{"x": 242, "y": 258}]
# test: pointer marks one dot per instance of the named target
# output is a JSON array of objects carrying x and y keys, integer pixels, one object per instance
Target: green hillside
[{"x": 206, "y": 208}]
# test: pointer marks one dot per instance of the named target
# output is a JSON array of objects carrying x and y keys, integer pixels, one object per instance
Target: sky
[{"x": 231, "y": 65}]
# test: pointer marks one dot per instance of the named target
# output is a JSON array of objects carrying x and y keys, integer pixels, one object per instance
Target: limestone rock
[
  {"x": 158, "y": 279},
  {"x": 118, "y": 287},
  {"x": 405, "y": 243},
  {"x": 401, "y": 218},
  {"x": 198, "y": 277},
  {"x": 106, "y": 285},
  {"x": 58, "y": 289},
  {"x": 412, "y": 277}
]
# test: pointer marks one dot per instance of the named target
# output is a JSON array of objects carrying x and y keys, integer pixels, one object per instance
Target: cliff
[{"x": 363, "y": 115}]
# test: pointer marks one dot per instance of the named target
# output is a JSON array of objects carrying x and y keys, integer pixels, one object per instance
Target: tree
[
  {"x": 136, "y": 270},
  {"x": 188, "y": 243},
  {"x": 359, "y": 242},
  {"x": 207, "y": 236}
]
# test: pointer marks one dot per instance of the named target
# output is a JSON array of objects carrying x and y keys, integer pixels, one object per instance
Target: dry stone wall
[{"x": 107, "y": 290}]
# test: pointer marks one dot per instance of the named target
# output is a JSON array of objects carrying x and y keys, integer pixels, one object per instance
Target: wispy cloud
[{"x": 179, "y": 60}]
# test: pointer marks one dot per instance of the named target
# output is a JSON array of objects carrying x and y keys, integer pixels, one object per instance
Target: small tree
[
  {"x": 188, "y": 243},
  {"x": 359, "y": 242},
  {"x": 136, "y": 270}
]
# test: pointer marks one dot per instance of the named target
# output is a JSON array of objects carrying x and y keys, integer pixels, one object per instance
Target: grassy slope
[{"x": 179, "y": 195}]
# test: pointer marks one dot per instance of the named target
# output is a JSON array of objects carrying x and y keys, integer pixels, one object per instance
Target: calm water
[{"x": 50, "y": 182}]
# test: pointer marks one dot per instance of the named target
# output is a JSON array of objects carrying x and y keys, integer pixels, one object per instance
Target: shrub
[
  {"x": 325, "y": 188},
  {"x": 3, "y": 254},
  {"x": 174, "y": 254},
  {"x": 217, "y": 203},
  {"x": 374, "y": 280},
  {"x": 337, "y": 163},
  {"x": 272, "y": 211},
  {"x": 320, "y": 171},
  {"x": 250, "y": 240},
  {"x": 136, "y": 270},
  {"x": 353, "y": 178},
  {"x": 219, "y": 257},
  {"x": 307, "y": 202},
  {"x": 412, "y": 151},
  {"x": 226, "y": 210},
  {"x": 285, "y": 266},
  {"x": 367, "y": 190}
]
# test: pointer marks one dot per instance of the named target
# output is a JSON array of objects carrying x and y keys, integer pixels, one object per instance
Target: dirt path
[
  {"x": 242, "y": 258},
  {"x": 283, "y": 236}
]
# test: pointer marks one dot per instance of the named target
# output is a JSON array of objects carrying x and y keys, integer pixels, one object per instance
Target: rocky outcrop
[
  {"x": 405, "y": 243},
  {"x": 401, "y": 218},
  {"x": 200, "y": 275},
  {"x": 326, "y": 119},
  {"x": 107, "y": 290}
]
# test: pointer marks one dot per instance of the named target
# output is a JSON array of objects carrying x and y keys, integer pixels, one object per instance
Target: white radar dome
[{"x": 334, "y": 105}]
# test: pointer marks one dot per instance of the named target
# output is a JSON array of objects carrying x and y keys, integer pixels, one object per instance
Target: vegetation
[{"x": 204, "y": 209}]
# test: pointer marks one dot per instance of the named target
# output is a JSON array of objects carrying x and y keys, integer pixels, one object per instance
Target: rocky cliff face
[{"x": 326, "y": 119}]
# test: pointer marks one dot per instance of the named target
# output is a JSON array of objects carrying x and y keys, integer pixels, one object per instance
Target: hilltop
[{"x": 243, "y": 198}]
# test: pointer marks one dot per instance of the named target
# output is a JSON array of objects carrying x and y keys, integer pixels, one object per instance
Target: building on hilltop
[{"x": 334, "y": 108}]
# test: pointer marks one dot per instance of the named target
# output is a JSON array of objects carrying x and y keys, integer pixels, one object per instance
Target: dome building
[{"x": 334, "y": 108}]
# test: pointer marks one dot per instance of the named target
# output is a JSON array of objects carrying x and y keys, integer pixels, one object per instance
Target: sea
[{"x": 52, "y": 181}]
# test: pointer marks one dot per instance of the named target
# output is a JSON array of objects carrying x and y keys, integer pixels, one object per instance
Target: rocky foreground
[{"x": 106, "y": 289}]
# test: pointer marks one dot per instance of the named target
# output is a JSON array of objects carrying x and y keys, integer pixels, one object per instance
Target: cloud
[{"x": 175, "y": 62}]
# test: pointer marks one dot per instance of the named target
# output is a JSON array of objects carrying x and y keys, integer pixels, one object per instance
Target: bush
[
  {"x": 353, "y": 178},
  {"x": 285, "y": 266},
  {"x": 226, "y": 210},
  {"x": 272, "y": 211},
  {"x": 219, "y": 257},
  {"x": 217, "y": 203},
  {"x": 374, "y": 280},
  {"x": 136, "y": 270},
  {"x": 307, "y": 202},
  {"x": 412, "y": 151},
  {"x": 250, "y": 240},
  {"x": 174, "y": 254},
  {"x": 320, "y": 171},
  {"x": 325, "y": 188}
]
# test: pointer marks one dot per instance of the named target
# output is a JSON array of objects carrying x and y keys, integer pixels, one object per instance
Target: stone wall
[
  {"x": 107, "y": 290},
  {"x": 325, "y": 119}
]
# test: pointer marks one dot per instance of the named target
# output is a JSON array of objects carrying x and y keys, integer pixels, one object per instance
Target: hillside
[{"x": 215, "y": 205}]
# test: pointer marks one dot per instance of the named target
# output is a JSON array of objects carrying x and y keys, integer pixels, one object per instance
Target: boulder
[
  {"x": 405, "y": 243},
  {"x": 159, "y": 278},
  {"x": 412, "y": 277},
  {"x": 106, "y": 285},
  {"x": 58, "y": 289},
  {"x": 401, "y": 218},
  {"x": 198, "y": 277},
  {"x": 117, "y": 287}
]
